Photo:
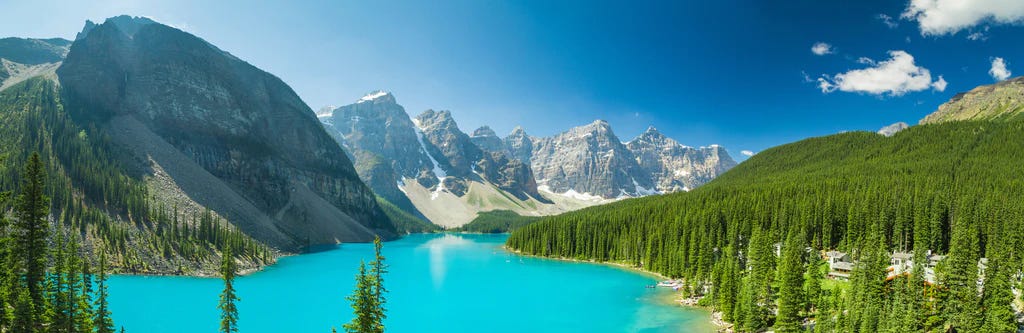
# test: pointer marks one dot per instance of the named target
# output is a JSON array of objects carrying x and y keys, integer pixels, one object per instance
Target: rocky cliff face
[
  {"x": 519, "y": 144},
  {"x": 1003, "y": 100},
  {"x": 588, "y": 159},
  {"x": 23, "y": 58},
  {"x": 485, "y": 138},
  {"x": 893, "y": 129},
  {"x": 244, "y": 126},
  {"x": 584, "y": 166},
  {"x": 675, "y": 167},
  {"x": 385, "y": 145},
  {"x": 464, "y": 160}
]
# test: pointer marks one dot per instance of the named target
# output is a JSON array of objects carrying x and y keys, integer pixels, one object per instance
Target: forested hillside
[
  {"x": 951, "y": 188},
  {"x": 498, "y": 221},
  {"x": 99, "y": 201}
]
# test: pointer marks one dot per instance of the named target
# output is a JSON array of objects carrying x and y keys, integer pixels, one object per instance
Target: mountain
[
  {"x": 23, "y": 58},
  {"x": 893, "y": 129},
  {"x": 674, "y": 167},
  {"x": 213, "y": 131},
  {"x": 947, "y": 188},
  {"x": 384, "y": 144},
  {"x": 163, "y": 150},
  {"x": 429, "y": 167},
  {"x": 485, "y": 138},
  {"x": 590, "y": 160},
  {"x": 1002, "y": 100}
]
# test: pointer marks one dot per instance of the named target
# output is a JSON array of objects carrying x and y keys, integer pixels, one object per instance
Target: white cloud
[
  {"x": 889, "y": 21},
  {"x": 940, "y": 84},
  {"x": 822, "y": 48},
  {"x": 977, "y": 36},
  {"x": 866, "y": 61},
  {"x": 940, "y": 17},
  {"x": 999, "y": 71},
  {"x": 895, "y": 77},
  {"x": 747, "y": 153}
]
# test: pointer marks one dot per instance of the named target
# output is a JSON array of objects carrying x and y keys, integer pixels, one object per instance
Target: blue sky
[{"x": 737, "y": 73}]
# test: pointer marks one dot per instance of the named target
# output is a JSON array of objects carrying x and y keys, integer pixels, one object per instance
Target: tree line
[
  {"x": 46, "y": 287},
  {"x": 94, "y": 194},
  {"x": 750, "y": 243}
]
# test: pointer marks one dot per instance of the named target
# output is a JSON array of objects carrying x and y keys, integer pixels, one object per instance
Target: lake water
[{"x": 438, "y": 283}]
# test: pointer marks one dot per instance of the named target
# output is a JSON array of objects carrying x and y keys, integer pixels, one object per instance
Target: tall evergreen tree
[
  {"x": 227, "y": 306},
  {"x": 362, "y": 300},
  {"x": 997, "y": 298},
  {"x": 31, "y": 210},
  {"x": 102, "y": 320},
  {"x": 959, "y": 275},
  {"x": 6, "y": 265},
  {"x": 378, "y": 268},
  {"x": 791, "y": 283},
  {"x": 757, "y": 295}
]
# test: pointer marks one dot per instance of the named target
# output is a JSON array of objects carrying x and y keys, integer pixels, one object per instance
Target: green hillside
[
  {"x": 101, "y": 201},
  {"x": 952, "y": 188},
  {"x": 498, "y": 221}
]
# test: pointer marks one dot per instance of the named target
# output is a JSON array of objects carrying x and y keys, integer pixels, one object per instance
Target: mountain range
[
  {"x": 178, "y": 135},
  {"x": 429, "y": 167}
]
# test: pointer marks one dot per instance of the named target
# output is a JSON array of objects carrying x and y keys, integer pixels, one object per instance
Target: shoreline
[{"x": 715, "y": 317}]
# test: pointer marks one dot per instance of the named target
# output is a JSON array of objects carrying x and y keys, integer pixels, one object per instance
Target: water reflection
[{"x": 438, "y": 261}]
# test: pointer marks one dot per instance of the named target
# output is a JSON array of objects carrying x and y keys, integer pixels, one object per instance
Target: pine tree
[
  {"x": 997, "y": 298},
  {"x": 812, "y": 287},
  {"x": 362, "y": 300},
  {"x": 31, "y": 209},
  {"x": 6, "y": 265},
  {"x": 103, "y": 321},
  {"x": 791, "y": 283},
  {"x": 757, "y": 293},
  {"x": 959, "y": 276},
  {"x": 378, "y": 268},
  {"x": 227, "y": 306}
]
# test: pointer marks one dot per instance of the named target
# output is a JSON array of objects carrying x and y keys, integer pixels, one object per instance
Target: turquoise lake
[{"x": 438, "y": 283}]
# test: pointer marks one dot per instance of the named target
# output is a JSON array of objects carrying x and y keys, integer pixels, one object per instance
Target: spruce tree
[
  {"x": 6, "y": 265},
  {"x": 378, "y": 268},
  {"x": 102, "y": 320},
  {"x": 227, "y": 306},
  {"x": 960, "y": 276},
  {"x": 31, "y": 210},
  {"x": 791, "y": 283},
  {"x": 757, "y": 295},
  {"x": 997, "y": 297},
  {"x": 362, "y": 302},
  {"x": 812, "y": 287}
]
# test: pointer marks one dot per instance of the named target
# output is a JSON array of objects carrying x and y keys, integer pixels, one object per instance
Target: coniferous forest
[
  {"x": 750, "y": 244},
  {"x": 96, "y": 200}
]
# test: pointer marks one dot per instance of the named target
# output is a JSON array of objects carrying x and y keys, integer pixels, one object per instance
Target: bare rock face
[
  {"x": 390, "y": 149},
  {"x": 588, "y": 159},
  {"x": 485, "y": 138},
  {"x": 893, "y": 129},
  {"x": 519, "y": 144},
  {"x": 383, "y": 141},
  {"x": 999, "y": 101},
  {"x": 239, "y": 123},
  {"x": 459, "y": 149},
  {"x": 675, "y": 167}
]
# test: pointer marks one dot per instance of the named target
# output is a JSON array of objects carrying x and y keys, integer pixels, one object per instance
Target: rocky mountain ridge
[
  {"x": 1001, "y": 100},
  {"x": 185, "y": 108},
  {"x": 583, "y": 166}
]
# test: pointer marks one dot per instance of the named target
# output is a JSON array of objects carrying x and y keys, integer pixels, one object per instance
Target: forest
[
  {"x": 750, "y": 244},
  {"x": 95, "y": 199},
  {"x": 496, "y": 222}
]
